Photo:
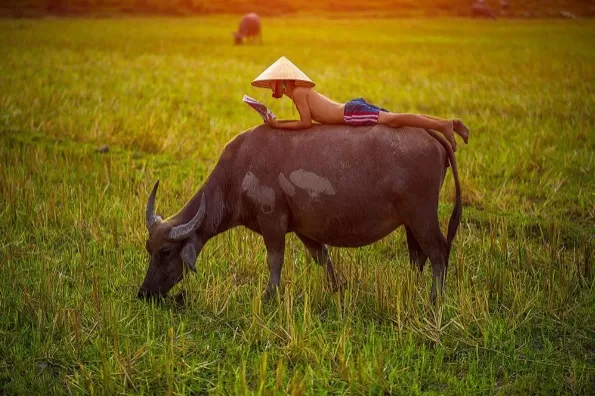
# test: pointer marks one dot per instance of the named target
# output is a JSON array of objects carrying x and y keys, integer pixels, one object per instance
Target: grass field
[{"x": 165, "y": 95}]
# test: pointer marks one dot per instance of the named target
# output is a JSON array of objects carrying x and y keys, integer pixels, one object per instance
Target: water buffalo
[
  {"x": 249, "y": 28},
  {"x": 330, "y": 185},
  {"x": 479, "y": 9}
]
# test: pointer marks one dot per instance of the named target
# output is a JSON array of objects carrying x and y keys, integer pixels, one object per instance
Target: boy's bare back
[{"x": 322, "y": 109}]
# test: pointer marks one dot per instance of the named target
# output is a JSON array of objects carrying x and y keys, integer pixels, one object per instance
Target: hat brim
[
  {"x": 269, "y": 83},
  {"x": 282, "y": 70}
]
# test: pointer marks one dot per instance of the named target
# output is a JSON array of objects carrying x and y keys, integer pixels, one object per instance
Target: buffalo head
[
  {"x": 237, "y": 37},
  {"x": 170, "y": 247}
]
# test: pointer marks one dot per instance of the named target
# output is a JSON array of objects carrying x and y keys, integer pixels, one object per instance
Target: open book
[{"x": 259, "y": 107}]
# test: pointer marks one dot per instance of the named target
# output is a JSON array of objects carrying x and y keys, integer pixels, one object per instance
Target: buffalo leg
[
  {"x": 320, "y": 254},
  {"x": 274, "y": 240},
  {"x": 433, "y": 244},
  {"x": 416, "y": 255}
]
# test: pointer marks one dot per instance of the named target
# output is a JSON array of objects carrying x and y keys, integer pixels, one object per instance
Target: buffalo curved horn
[
  {"x": 151, "y": 218},
  {"x": 183, "y": 230}
]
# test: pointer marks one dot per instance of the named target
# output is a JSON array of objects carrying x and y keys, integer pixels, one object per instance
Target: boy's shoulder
[{"x": 302, "y": 90}]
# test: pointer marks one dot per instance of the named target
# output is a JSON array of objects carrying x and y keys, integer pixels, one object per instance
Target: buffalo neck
[{"x": 218, "y": 218}]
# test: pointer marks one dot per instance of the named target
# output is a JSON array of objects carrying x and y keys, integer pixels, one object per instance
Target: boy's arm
[{"x": 301, "y": 102}]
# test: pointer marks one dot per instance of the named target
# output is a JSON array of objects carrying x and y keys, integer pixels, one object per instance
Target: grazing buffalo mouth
[{"x": 144, "y": 294}]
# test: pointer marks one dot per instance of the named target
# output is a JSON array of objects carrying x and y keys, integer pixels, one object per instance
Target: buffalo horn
[
  {"x": 151, "y": 218},
  {"x": 183, "y": 230}
]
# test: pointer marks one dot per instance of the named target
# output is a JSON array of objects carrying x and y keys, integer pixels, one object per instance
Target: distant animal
[
  {"x": 504, "y": 7},
  {"x": 479, "y": 9},
  {"x": 249, "y": 28},
  {"x": 330, "y": 185}
]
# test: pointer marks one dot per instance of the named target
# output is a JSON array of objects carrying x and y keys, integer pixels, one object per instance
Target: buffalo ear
[{"x": 189, "y": 255}]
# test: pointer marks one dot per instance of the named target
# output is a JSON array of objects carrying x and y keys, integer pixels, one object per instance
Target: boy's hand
[{"x": 271, "y": 121}]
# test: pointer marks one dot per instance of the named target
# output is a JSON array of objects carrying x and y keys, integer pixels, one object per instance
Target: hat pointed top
[{"x": 282, "y": 69}]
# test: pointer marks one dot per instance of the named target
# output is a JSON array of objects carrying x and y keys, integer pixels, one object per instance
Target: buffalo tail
[{"x": 455, "y": 217}]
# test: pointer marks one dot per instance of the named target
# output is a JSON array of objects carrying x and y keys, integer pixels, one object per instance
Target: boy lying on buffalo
[{"x": 284, "y": 78}]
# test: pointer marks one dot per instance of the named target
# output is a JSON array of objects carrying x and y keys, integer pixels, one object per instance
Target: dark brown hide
[{"x": 331, "y": 185}]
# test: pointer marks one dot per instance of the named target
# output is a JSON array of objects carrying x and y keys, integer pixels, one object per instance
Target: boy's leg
[
  {"x": 398, "y": 120},
  {"x": 458, "y": 126},
  {"x": 461, "y": 129}
]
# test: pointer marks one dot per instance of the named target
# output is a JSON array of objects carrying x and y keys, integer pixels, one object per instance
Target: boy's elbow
[{"x": 306, "y": 124}]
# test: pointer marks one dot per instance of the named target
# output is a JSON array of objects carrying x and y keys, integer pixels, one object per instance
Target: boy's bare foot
[
  {"x": 448, "y": 131},
  {"x": 461, "y": 129}
]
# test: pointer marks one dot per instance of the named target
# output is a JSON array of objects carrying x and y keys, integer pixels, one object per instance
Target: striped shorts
[{"x": 358, "y": 112}]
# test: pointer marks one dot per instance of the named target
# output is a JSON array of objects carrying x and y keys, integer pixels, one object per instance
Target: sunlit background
[
  {"x": 101, "y": 98},
  {"x": 510, "y": 8}
]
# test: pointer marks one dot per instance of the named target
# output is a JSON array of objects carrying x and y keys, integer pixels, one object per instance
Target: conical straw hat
[{"x": 282, "y": 69}]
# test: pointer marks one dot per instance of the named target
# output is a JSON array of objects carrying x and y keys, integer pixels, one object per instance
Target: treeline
[
  {"x": 519, "y": 8},
  {"x": 263, "y": 7}
]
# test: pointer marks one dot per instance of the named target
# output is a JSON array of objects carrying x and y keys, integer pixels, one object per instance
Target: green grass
[{"x": 165, "y": 95}]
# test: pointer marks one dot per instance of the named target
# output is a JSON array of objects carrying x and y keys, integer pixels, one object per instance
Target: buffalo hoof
[
  {"x": 270, "y": 295},
  {"x": 338, "y": 287},
  {"x": 338, "y": 284},
  {"x": 142, "y": 294},
  {"x": 181, "y": 298}
]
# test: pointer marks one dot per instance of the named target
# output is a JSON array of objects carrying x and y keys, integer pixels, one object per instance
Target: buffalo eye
[{"x": 164, "y": 252}]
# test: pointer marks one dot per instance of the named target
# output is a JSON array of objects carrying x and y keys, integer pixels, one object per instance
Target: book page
[{"x": 260, "y": 108}]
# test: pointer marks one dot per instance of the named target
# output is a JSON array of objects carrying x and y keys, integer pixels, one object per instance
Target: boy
[{"x": 284, "y": 78}]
